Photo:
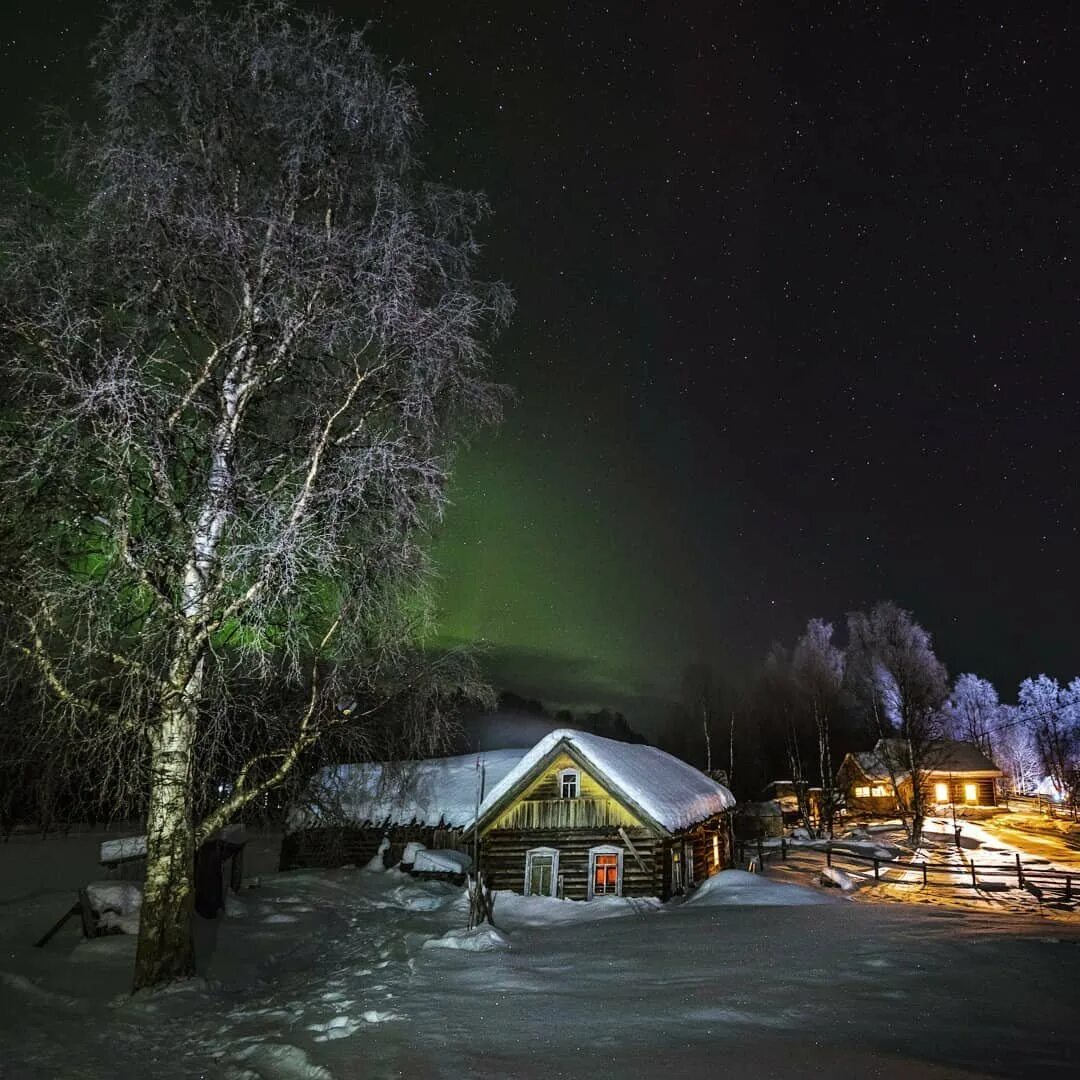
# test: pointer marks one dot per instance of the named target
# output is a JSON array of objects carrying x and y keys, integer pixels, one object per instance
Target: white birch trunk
[{"x": 165, "y": 948}]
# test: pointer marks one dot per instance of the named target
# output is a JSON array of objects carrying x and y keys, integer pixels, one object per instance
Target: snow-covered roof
[
  {"x": 670, "y": 792},
  {"x": 432, "y": 791},
  {"x": 943, "y": 756}
]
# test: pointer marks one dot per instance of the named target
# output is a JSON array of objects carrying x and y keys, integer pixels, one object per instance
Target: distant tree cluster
[
  {"x": 811, "y": 704},
  {"x": 609, "y": 723}
]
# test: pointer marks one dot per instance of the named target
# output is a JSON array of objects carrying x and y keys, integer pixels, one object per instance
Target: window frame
[
  {"x": 544, "y": 852},
  {"x": 605, "y": 849},
  {"x": 563, "y": 775},
  {"x": 862, "y": 791}
]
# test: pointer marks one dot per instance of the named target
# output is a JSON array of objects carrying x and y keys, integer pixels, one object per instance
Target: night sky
[{"x": 797, "y": 323}]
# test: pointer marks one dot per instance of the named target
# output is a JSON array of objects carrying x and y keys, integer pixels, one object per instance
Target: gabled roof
[
  {"x": 432, "y": 791},
  {"x": 943, "y": 756},
  {"x": 660, "y": 788}
]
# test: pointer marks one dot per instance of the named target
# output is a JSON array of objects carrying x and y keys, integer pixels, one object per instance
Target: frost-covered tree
[
  {"x": 818, "y": 668},
  {"x": 1015, "y": 752},
  {"x": 973, "y": 712},
  {"x": 1051, "y": 713},
  {"x": 238, "y": 354},
  {"x": 901, "y": 688}
]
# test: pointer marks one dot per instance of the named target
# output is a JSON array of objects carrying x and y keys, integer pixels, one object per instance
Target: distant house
[
  {"x": 956, "y": 773},
  {"x": 785, "y": 794},
  {"x": 577, "y": 816}
]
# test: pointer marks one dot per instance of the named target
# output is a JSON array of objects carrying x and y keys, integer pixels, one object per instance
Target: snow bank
[
  {"x": 737, "y": 887},
  {"x": 117, "y": 904},
  {"x": 513, "y": 909},
  {"x": 441, "y": 862},
  {"x": 408, "y": 856},
  {"x": 479, "y": 939},
  {"x": 669, "y": 791},
  {"x": 377, "y": 864}
]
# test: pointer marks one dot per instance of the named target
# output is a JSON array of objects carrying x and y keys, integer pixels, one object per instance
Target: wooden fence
[{"x": 1042, "y": 882}]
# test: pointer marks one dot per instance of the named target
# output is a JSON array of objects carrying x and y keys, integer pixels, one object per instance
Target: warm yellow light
[
  {"x": 971, "y": 793},
  {"x": 716, "y": 849},
  {"x": 941, "y": 792}
]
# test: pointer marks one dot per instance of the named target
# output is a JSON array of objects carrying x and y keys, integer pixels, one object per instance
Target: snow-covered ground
[{"x": 350, "y": 974}]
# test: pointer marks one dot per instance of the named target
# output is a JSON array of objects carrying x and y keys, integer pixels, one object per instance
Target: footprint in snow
[
  {"x": 340, "y": 1027},
  {"x": 373, "y": 1016}
]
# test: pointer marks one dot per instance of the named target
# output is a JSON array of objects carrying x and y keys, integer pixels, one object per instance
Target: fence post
[
  {"x": 760, "y": 854},
  {"x": 924, "y": 874},
  {"x": 1019, "y": 872},
  {"x": 974, "y": 883},
  {"x": 783, "y": 847},
  {"x": 828, "y": 855},
  {"x": 876, "y": 876}
]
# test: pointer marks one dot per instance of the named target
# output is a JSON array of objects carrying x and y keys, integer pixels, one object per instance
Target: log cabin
[
  {"x": 582, "y": 816},
  {"x": 954, "y": 773},
  {"x": 576, "y": 816}
]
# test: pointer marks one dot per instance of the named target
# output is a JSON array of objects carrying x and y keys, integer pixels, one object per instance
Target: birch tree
[
  {"x": 901, "y": 687},
  {"x": 240, "y": 351},
  {"x": 818, "y": 668},
  {"x": 973, "y": 712},
  {"x": 1051, "y": 713}
]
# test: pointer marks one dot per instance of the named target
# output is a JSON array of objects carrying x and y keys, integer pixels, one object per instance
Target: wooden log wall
[{"x": 503, "y": 858}]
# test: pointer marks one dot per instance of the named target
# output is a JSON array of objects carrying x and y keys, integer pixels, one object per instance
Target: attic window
[{"x": 569, "y": 784}]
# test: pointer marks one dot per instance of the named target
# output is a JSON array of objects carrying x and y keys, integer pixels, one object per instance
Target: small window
[
  {"x": 862, "y": 793},
  {"x": 971, "y": 794},
  {"x": 879, "y": 791},
  {"x": 941, "y": 792},
  {"x": 716, "y": 849},
  {"x": 688, "y": 858},
  {"x": 541, "y": 872},
  {"x": 605, "y": 871},
  {"x": 569, "y": 784}
]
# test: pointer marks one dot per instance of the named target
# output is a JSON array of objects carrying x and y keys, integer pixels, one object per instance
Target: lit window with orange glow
[{"x": 606, "y": 875}]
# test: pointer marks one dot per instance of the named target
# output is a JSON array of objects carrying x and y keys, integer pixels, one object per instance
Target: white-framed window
[
  {"x": 569, "y": 784},
  {"x": 541, "y": 871},
  {"x": 862, "y": 793},
  {"x": 605, "y": 871}
]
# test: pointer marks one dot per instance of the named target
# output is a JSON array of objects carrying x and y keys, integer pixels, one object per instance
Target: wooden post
[
  {"x": 1068, "y": 886},
  {"x": 828, "y": 856},
  {"x": 783, "y": 847},
  {"x": 877, "y": 876},
  {"x": 974, "y": 883},
  {"x": 760, "y": 854},
  {"x": 1019, "y": 872},
  {"x": 924, "y": 874}
]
